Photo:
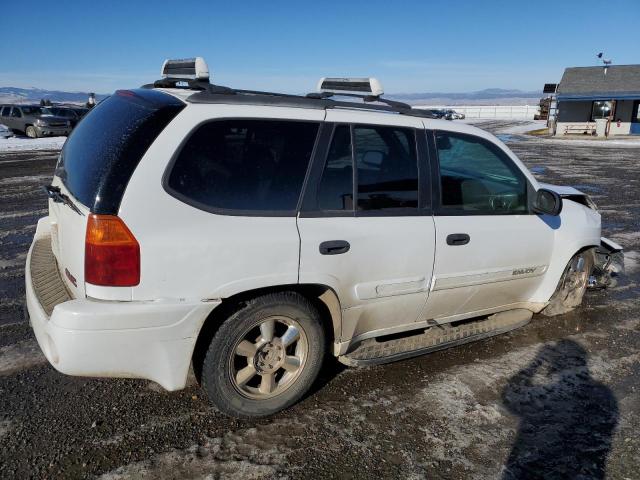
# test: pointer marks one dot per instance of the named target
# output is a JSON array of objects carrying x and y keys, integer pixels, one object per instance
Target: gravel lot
[{"x": 558, "y": 398}]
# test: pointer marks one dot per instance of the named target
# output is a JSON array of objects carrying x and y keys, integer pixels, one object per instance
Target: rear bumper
[{"x": 152, "y": 340}]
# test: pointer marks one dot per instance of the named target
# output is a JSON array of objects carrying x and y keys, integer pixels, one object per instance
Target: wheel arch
[
  {"x": 552, "y": 277},
  {"x": 323, "y": 297}
]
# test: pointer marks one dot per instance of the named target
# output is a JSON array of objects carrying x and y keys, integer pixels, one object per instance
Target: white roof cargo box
[{"x": 350, "y": 86}]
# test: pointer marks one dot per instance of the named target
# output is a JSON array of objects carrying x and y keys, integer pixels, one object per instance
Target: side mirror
[{"x": 547, "y": 202}]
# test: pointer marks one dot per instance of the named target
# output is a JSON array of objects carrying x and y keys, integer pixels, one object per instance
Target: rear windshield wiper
[{"x": 57, "y": 196}]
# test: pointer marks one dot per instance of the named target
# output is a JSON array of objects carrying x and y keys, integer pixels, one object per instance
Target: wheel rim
[
  {"x": 31, "y": 132},
  {"x": 268, "y": 358},
  {"x": 575, "y": 275}
]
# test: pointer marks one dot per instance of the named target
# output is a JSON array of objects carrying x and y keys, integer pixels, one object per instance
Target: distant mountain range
[
  {"x": 489, "y": 96},
  {"x": 34, "y": 95}
]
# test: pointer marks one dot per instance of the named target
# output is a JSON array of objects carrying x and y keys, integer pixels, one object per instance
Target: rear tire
[
  {"x": 573, "y": 283},
  {"x": 265, "y": 356},
  {"x": 31, "y": 132}
]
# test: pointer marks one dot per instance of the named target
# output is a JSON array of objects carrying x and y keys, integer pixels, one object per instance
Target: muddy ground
[{"x": 558, "y": 398}]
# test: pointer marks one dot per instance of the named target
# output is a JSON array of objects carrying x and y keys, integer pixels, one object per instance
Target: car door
[
  {"x": 365, "y": 225},
  {"x": 16, "y": 119},
  {"x": 492, "y": 251},
  {"x": 4, "y": 115},
  {"x": 7, "y": 119}
]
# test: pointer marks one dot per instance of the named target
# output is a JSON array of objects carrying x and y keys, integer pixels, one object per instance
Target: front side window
[
  {"x": 601, "y": 110},
  {"x": 15, "y": 112},
  {"x": 244, "y": 165},
  {"x": 477, "y": 178}
]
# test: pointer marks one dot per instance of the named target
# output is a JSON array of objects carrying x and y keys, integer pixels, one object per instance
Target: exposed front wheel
[
  {"x": 265, "y": 356},
  {"x": 573, "y": 283},
  {"x": 31, "y": 132}
]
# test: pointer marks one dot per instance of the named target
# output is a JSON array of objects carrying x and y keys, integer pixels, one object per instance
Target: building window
[{"x": 601, "y": 110}]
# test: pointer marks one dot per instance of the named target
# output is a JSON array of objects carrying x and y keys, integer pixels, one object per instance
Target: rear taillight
[{"x": 111, "y": 253}]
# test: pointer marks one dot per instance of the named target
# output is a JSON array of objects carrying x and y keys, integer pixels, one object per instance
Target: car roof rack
[{"x": 193, "y": 74}]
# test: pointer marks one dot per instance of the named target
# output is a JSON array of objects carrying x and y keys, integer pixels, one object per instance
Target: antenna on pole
[{"x": 605, "y": 61}]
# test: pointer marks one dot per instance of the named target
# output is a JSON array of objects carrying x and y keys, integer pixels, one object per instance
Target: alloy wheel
[{"x": 268, "y": 358}]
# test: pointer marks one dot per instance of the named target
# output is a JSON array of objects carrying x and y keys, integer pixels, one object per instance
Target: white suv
[{"x": 249, "y": 234}]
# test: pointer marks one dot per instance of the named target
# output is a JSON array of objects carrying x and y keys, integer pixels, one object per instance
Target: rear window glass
[
  {"x": 103, "y": 151},
  {"x": 244, "y": 165}
]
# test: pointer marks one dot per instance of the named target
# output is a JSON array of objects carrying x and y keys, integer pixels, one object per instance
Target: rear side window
[
  {"x": 387, "y": 168},
  {"x": 103, "y": 151},
  {"x": 335, "y": 191},
  {"x": 4, "y": 111},
  {"x": 386, "y": 165},
  {"x": 244, "y": 166}
]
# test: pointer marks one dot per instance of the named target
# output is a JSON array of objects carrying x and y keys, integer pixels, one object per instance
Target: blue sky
[{"x": 411, "y": 46}]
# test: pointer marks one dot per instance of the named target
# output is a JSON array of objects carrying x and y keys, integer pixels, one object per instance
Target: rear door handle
[
  {"x": 458, "y": 239},
  {"x": 334, "y": 247}
]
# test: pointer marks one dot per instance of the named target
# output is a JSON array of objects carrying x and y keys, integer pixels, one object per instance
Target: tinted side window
[
  {"x": 244, "y": 165},
  {"x": 476, "y": 177},
  {"x": 4, "y": 111},
  {"x": 387, "y": 167},
  {"x": 335, "y": 191},
  {"x": 15, "y": 112}
]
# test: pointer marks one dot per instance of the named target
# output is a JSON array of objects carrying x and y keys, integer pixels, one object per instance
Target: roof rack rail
[
  {"x": 193, "y": 74},
  {"x": 365, "y": 99}
]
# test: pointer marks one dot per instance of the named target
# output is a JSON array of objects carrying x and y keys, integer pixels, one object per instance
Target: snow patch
[
  {"x": 20, "y": 356},
  {"x": 18, "y": 144},
  {"x": 246, "y": 454}
]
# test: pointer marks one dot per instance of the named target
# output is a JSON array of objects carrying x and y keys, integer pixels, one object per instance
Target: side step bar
[{"x": 376, "y": 351}]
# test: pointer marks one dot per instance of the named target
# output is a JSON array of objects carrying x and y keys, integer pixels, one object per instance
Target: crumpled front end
[{"x": 609, "y": 264}]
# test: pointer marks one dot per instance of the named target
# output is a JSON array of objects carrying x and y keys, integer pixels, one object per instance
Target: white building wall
[{"x": 524, "y": 112}]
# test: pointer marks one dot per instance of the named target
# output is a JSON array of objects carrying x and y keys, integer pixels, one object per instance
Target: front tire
[
  {"x": 31, "y": 132},
  {"x": 265, "y": 356},
  {"x": 573, "y": 283}
]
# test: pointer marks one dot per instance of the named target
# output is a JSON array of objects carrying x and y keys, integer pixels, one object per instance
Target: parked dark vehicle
[
  {"x": 435, "y": 112},
  {"x": 33, "y": 121},
  {"x": 72, "y": 114}
]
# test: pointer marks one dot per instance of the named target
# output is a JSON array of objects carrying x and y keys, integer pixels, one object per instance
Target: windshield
[{"x": 62, "y": 112}]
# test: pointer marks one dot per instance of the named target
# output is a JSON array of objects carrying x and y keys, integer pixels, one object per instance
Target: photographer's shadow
[{"x": 567, "y": 419}]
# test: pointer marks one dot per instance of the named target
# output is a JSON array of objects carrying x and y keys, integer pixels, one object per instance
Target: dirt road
[{"x": 558, "y": 398}]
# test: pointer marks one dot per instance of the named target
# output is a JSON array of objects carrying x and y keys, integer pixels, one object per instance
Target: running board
[{"x": 376, "y": 351}]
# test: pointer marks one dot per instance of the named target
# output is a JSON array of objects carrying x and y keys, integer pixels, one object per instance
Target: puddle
[{"x": 507, "y": 137}]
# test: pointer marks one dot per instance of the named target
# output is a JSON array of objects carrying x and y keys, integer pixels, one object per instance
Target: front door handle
[
  {"x": 334, "y": 247},
  {"x": 458, "y": 239}
]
